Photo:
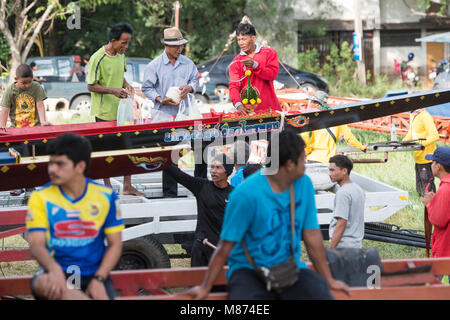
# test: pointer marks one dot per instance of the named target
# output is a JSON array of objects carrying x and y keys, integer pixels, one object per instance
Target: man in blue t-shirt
[{"x": 258, "y": 212}]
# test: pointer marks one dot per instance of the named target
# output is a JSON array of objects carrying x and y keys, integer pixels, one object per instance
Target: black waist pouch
[{"x": 280, "y": 276}]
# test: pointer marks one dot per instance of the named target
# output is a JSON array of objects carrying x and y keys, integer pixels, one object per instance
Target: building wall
[
  {"x": 377, "y": 16},
  {"x": 395, "y": 11},
  {"x": 335, "y": 9}
]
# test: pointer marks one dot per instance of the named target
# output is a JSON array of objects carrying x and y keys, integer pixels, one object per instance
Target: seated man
[
  {"x": 212, "y": 197},
  {"x": 258, "y": 213},
  {"x": 347, "y": 226},
  {"x": 68, "y": 221}
]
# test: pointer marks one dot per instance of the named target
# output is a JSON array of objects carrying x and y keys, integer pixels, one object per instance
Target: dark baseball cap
[{"x": 441, "y": 155}]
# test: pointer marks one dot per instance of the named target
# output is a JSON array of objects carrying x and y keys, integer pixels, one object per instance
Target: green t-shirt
[
  {"x": 109, "y": 73},
  {"x": 22, "y": 104}
]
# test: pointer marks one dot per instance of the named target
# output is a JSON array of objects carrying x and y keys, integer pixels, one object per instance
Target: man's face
[
  {"x": 246, "y": 42},
  {"x": 336, "y": 174},
  {"x": 61, "y": 169},
  {"x": 173, "y": 52},
  {"x": 24, "y": 83},
  {"x": 121, "y": 45},
  {"x": 218, "y": 172},
  {"x": 435, "y": 168}
]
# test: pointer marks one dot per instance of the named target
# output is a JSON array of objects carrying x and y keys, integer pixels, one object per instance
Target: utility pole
[
  {"x": 177, "y": 6},
  {"x": 358, "y": 39}
]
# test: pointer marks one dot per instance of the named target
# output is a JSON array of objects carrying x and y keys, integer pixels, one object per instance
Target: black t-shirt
[{"x": 211, "y": 202}]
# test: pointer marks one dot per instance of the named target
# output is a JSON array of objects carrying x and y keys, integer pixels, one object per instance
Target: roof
[{"x": 438, "y": 37}]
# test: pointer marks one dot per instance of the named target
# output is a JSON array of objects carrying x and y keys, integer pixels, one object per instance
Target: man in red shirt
[
  {"x": 438, "y": 203},
  {"x": 263, "y": 64}
]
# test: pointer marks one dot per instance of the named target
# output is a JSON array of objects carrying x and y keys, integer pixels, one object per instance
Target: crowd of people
[{"x": 254, "y": 221}]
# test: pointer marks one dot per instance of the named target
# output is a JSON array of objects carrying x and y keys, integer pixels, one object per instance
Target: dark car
[{"x": 218, "y": 77}]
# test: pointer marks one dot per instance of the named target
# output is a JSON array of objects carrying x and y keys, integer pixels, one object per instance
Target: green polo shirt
[{"x": 108, "y": 72}]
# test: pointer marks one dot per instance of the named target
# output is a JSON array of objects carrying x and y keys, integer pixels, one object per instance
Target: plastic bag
[
  {"x": 143, "y": 108},
  {"x": 188, "y": 110},
  {"x": 125, "y": 112},
  {"x": 159, "y": 116}
]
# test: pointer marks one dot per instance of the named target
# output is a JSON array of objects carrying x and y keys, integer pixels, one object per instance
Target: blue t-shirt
[
  {"x": 260, "y": 216},
  {"x": 238, "y": 177}
]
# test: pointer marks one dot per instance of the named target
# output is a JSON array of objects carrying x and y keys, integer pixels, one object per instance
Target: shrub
[{"x": 340, "y": 71}]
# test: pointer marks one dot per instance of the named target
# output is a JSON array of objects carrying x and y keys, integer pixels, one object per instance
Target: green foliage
[
  {"x": 275, "y": 23},
  {"x": 5, "y": 51},
  {"x": 340, "y": 71},
  {"x": 426, "y": 4},
  {"x": 308, "y": 61},
  {"x": 206, "y": 24}
]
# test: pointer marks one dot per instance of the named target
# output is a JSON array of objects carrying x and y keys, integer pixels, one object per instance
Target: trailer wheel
[{"x": 143, "y": 253}]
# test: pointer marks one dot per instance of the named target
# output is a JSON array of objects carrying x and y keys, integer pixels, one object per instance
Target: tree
[
  {"x": 430, "y": 8},
  {"x": 21, "y": 21}
]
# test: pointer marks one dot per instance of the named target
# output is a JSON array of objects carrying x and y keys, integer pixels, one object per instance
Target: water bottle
[{"x": 393, "y": 133}]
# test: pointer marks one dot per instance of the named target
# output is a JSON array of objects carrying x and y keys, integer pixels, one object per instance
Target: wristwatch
[{"x": 99, "y": 278}]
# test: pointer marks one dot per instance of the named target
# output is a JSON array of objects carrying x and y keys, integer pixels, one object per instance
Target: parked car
[
  {"x": 58, "y": 83},
  {"x": 219, "y": 78}
]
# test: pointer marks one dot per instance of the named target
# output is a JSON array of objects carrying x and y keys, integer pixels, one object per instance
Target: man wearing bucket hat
[
  {"x": 170, "y": 69},
  {"x": 438, "y": 204}
]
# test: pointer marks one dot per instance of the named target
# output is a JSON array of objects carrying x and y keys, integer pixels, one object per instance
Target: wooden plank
[
  {"x": 15, "y": 255},
  {"x": 441, "y": 266},
  {"x": 12, "y": 232},
  {"x": 130, "y": 281},
  {"x": 15, "y": 286},
  {"x": 11, "y": 217},
  {"x": 431, "y": 292}
]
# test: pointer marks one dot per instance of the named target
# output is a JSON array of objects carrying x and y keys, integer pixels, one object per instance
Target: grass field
[{"x": 398, "y": 172}]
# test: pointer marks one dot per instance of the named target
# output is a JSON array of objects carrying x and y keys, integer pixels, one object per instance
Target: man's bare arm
[
  {"x": 112, "y": 254},
  {"x": 118, "y": 92},
  {"x": 216, "y": 264},
  {"x": 96, "y": 289},
  {"x": 338, "y": 232}
]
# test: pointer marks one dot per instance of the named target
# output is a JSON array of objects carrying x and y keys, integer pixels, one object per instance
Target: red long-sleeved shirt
[
  {"x": 261, "y": 78},
  {"x": 439, "y": 216}
]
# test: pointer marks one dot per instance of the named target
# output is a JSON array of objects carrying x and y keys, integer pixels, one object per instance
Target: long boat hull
[
  {"x": 108, "y": 136},
  {"x": 32, "y": 172}
]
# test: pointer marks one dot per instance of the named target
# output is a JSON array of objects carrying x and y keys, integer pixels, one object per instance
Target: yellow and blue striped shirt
[{"x": 75, "y": 228}]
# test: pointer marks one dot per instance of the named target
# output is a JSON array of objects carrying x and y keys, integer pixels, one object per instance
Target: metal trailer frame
[
  {"x": 173, "y": 220},
  {"x": 382, "y": 201}
]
